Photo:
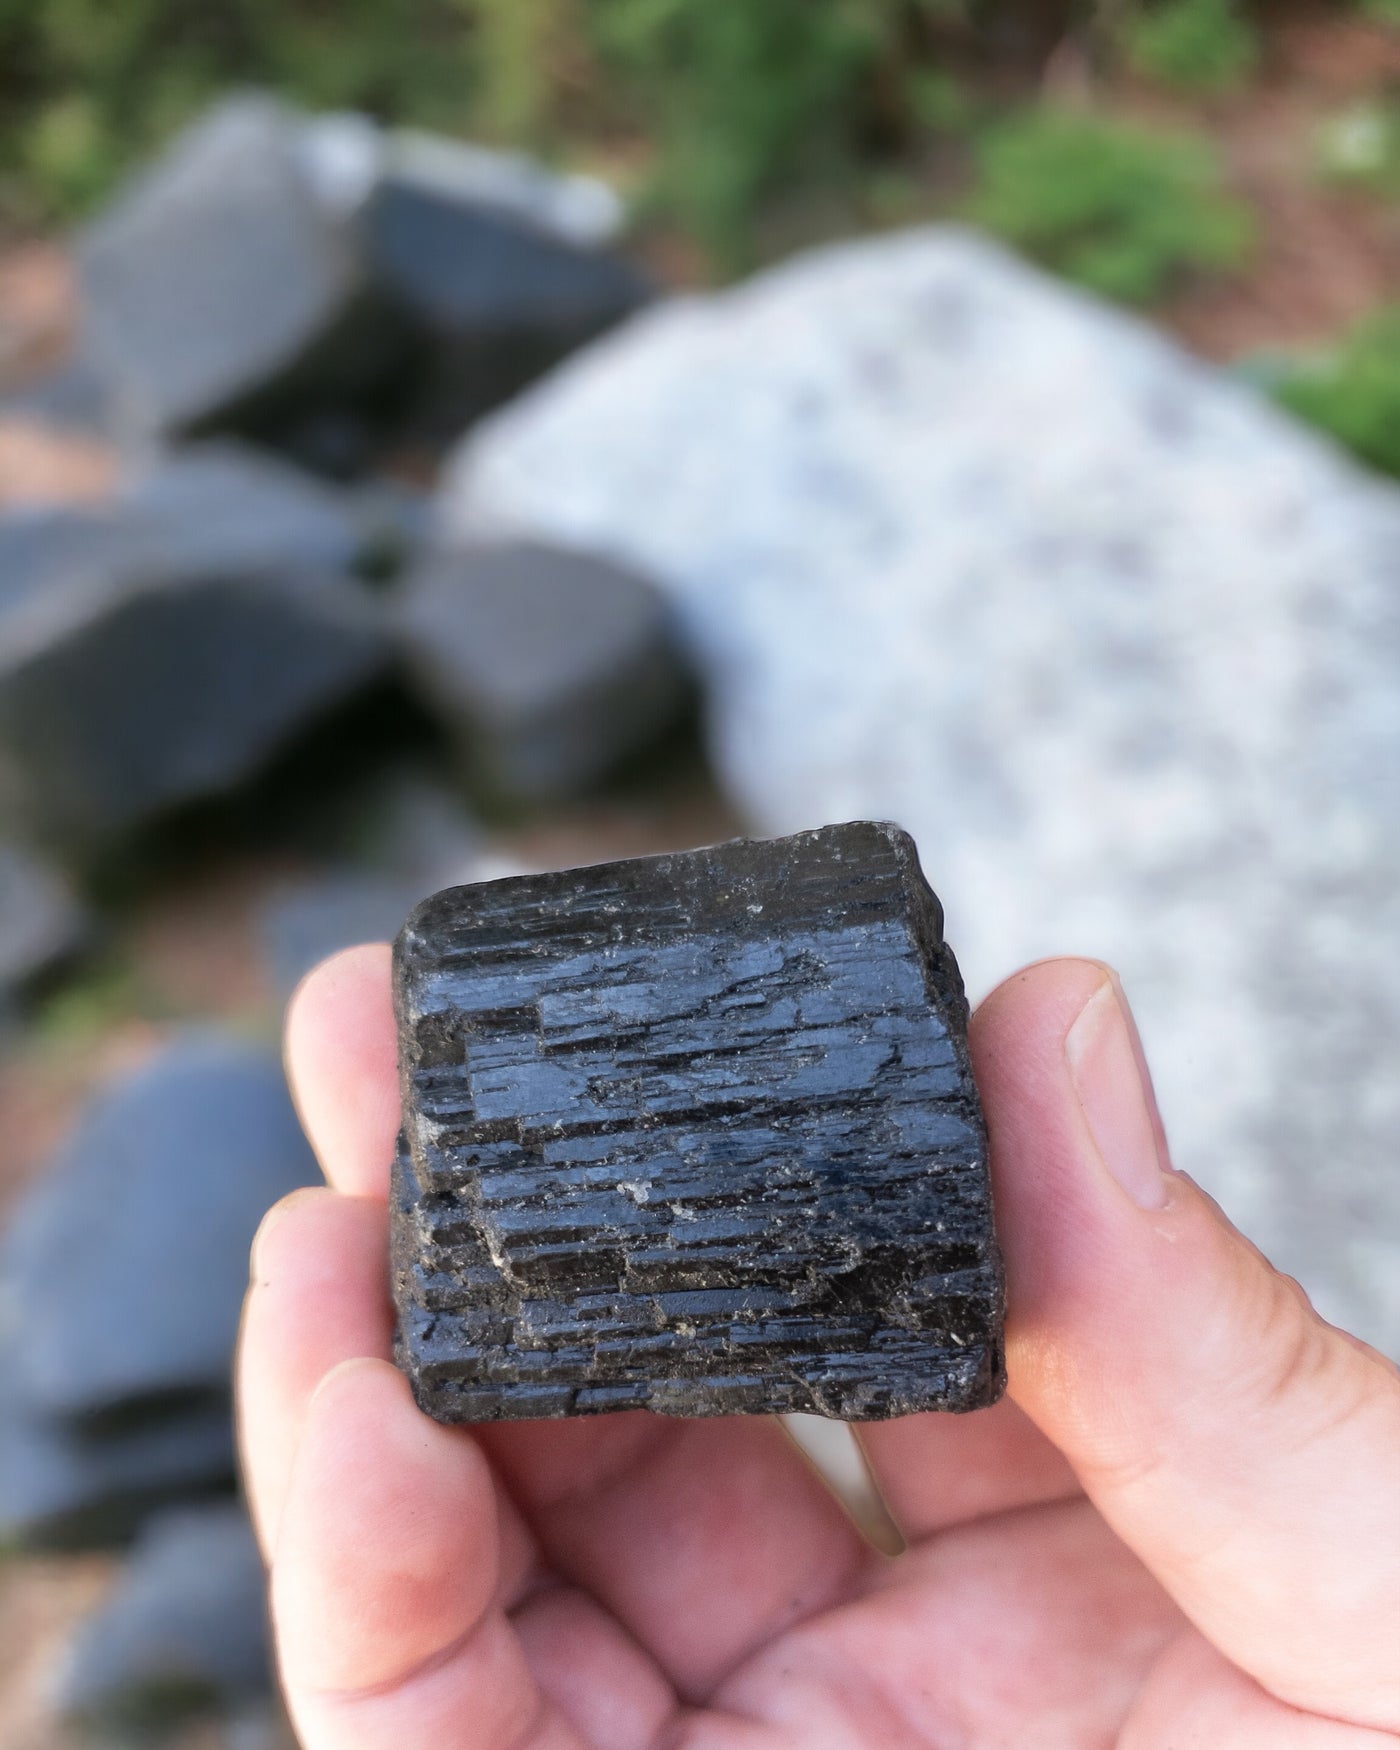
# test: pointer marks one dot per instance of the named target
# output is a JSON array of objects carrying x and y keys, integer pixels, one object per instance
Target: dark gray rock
[
  {"x": 44, "y": 547},
  {"x": 41, "y": 921},
  {"x": 501, "y": 290},
  {"x": 66, "y": 1488},
  {"x": 305, "y": 922},
  {"x": 548, "y": 666},
  {"x": 225, "y": 503},
  {"x": 696, "y": 1133},
  {"x": 307, "y": 282},
  {"x": 183, "y": 1633},
  {"x": 417, "y": 827},
  {"x": 122, "y": 1275},
  {"x": 165, "y": 648},
  {"x": 221, "y": 291},
  {"x": 406, "y": 834}
]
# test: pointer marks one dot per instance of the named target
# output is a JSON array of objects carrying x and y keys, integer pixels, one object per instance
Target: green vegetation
[
  {"x": 740, "y": 95},
  {"x": 1353, "y": 392},
  {"x": 86, "y": 86},
  {"x": 715, "y": 113},
  {"x": 722, "y": 99},
  {"x": 1119, "y": 209},
  {"x": 1194, "y": 45}
]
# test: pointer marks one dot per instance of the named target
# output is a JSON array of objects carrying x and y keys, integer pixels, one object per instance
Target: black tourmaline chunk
[{"x": 694, "y": 1132}]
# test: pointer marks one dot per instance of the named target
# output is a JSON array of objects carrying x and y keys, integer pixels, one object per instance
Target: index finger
[{"x": 341, "y": 1059}]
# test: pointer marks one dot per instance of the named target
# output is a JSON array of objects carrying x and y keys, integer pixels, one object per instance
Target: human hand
[{"x": 1180, "y": 1532}]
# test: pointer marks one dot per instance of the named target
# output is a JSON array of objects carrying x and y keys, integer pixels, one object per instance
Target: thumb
[{"x": 1245, "y": 1450}]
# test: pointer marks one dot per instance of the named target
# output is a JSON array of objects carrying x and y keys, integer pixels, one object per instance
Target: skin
[{"x": 1180, "y": 1531}]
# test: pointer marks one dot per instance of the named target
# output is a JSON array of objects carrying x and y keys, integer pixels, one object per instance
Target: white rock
[{"x": 1119, "y": 643}]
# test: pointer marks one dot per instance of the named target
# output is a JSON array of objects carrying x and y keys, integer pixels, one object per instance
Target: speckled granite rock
[
  {"x": 696, "y": 1133},
  {"x": 953, "y": 543}
]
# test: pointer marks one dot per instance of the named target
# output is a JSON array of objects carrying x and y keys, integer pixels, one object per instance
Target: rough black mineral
[{"x": 696, "y": 1133}]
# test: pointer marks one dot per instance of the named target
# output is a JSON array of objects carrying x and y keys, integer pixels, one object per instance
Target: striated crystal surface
[{"x": 696, "y": 1133}]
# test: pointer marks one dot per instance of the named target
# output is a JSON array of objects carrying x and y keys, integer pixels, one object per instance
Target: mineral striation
[{"x": 696, "y": 1133}]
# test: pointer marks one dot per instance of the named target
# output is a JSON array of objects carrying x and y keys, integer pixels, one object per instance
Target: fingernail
[
  {"x": 1115, "y": 1094},
  {"x": 258, "y": 1251}
]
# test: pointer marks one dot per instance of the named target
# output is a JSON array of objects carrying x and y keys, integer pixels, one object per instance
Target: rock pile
[
  {"x": 121, "y": 1283},
  {"x": 283, "y": 319},
  {"x": 283, "y": 323}
]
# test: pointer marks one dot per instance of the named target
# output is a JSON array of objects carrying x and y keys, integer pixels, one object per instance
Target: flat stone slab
[
  {"x": 64, "y": 1487},
  {"x": 123, "y": 1269},
  {"x": 183, "y": 1632},
  {"x": 696, "y": 1133}
]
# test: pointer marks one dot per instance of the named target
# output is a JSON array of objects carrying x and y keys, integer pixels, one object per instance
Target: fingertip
[
  {"x": 340, "y": 1056},
  {"x": 272, "y": 1230},
  {"x": 1034, "y": 1007}
]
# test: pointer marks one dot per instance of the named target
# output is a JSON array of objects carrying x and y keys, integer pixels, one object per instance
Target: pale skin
[{"x": 1181, "y": 1530}]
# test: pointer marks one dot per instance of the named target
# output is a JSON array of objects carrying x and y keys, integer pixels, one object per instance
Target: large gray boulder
[
  {"x": 957, "y": 545},
  {"x": 166, "y": 647}
]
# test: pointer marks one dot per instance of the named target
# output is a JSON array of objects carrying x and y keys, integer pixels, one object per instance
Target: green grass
[
  {"x": 1353, "y": 392},
  {"x": 1193, "y": 45},
  {"x": 1119, "y": 209}
]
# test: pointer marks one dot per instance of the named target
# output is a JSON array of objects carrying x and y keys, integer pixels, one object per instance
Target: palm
[{"x": 675, "y": 1567}]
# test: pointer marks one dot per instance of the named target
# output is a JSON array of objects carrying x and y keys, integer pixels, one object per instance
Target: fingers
[
  {"x": 319, "y": 1295},
  {"x": 1245, "y": 1450},
  {"x": 341, "y": 1063},
  {"x": 385, "y": 1579},
  {"x": 936, "y": 1471}
]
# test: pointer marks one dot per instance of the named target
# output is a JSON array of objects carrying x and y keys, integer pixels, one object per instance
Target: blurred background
[{"x": 455, "y": 437}]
